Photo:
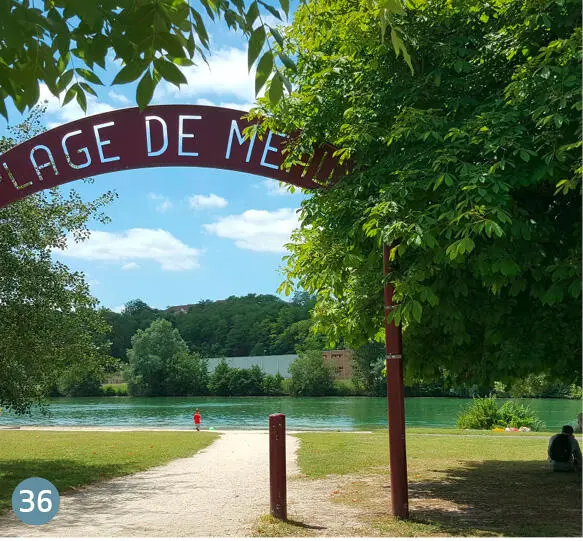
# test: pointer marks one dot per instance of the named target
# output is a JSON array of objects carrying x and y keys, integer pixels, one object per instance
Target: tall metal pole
[{"x": 396, "y": 404}]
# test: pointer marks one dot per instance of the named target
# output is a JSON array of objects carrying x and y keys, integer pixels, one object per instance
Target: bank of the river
[{"x": 329, "y": 413}]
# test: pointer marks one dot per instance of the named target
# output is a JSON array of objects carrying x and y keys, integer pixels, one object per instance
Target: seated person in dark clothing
[{"x": 564, "y": 451}]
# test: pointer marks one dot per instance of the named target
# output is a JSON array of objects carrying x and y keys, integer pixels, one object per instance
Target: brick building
[{"x": 341, "y": 362}]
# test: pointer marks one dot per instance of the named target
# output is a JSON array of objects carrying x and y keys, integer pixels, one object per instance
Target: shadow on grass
[
  {"x": 64, "y": 474},
  {"x": 512, "y": 498}
]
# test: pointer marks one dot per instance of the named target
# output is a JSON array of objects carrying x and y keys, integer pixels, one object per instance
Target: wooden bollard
[{"x": 277, "y": 476}]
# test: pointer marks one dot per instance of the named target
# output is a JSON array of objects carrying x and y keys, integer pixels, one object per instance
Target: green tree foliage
[
  {"x": 538, "y": 386},
  {"x": 135, "y": 315},
  {"x": 187, "y": 375},
  {"x": 80, "y": 380},
  {"x": 160, "y": 363},
  {"x": 229, "y": 381},
  {"x": 368, "y": 363},
  {"x": 61, "y": 42},
  {"x": 273, "y": 385},
  {"x": 246, "y": 382},
  {"x": 47, "y": 315},
  {"x": 469, "y": 169},
  {"x": 220, "y": 380},
  {"x": 242, "y": 326},
  {"x": 310, "y": 375}
]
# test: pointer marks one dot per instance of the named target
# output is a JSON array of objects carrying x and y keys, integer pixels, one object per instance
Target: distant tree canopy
[
  {"x": 470, "y": 170},
  {"x": 237, "y": 326},
  {"x": 160, "y": 364}
]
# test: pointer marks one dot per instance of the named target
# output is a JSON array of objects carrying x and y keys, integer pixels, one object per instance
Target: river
[{"x": 329, "y": 413}]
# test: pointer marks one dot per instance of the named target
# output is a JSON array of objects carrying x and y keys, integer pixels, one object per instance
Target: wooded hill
[{"x": 237, "y": 326}]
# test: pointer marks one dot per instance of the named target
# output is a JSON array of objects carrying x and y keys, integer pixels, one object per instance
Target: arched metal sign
[
  {"x": 159, "y": 136},
  {"x": 193, "y": 136}
]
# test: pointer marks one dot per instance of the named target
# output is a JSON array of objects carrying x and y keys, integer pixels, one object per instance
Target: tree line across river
[{"x": 163, "y": 353}]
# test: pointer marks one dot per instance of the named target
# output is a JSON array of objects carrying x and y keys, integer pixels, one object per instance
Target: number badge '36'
[{"x": 35, "y": 501}]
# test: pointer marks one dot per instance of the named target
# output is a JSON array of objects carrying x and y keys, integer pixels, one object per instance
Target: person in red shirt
[{"x": 197, "y": 419}]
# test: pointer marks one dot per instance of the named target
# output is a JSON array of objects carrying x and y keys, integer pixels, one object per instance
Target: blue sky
[{"x": 180, "y": 235}]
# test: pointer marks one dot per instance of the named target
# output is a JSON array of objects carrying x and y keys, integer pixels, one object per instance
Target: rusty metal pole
[
  {"x": 396, "y": 404},
  {"x": 277, "y": 477}
]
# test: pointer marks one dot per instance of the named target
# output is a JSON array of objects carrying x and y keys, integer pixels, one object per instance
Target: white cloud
[
  {"x": 164, "y": 206},
  {"x": 118, "y": 309},
  {"x": 275, "y": 188},
  {"x": 165, "y": 203},
  {"x": 211, "y": 201},
  {"x": 71, "y": 111},
  {"x": 130, "y": 266},
  {"x": 120, "y": 98},
  {"x": 257, "y": 230},
  {"x": 226, "y": 75},
  {"x": 143, "y": 244}
]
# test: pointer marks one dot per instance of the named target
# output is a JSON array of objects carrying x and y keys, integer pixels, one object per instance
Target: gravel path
[{"x": 220, "y": 491}]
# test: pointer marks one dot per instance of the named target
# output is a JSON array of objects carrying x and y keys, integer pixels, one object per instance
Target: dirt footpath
[{"x": 220, "y": 491}]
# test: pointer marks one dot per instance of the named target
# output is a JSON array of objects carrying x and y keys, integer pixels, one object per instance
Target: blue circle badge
[{"x": 35, "y": 501}]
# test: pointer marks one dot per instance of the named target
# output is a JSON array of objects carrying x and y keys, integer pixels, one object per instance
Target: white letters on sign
[
  {"x": 11, "y": 177},
  {"x": 83, "y": 150},
  {"x": 164, "y": 146},
  {"x": 182, "y": 135},
  {"x": 37, "y": 167},
  {"x": 101, "y": 144},
  {"x": 269, "y": 148},
  {"x": 241, "y": 139}
]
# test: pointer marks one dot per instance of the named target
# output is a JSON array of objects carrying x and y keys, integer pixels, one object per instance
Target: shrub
[
  {"x": 219, "y": 381},
  {"x": 228, "y": 381},
  {"x": 273, "y": 385},
  {"x": 108, "y": 390},
  {"x": 115, "y": 389},
  {"x": 484, "y": 414},
  {"x": 286, "y": 386},
  {"x": 575, "y": 391},
  {"x": 346, "y": 387},
  {"x": 516, "y": 415},
  {"x": 246, "y": 381}
]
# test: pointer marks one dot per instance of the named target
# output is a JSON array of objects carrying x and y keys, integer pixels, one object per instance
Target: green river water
[{"x": 329, "y": 413}]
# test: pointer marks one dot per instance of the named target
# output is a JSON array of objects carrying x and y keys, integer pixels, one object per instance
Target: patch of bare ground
[
  {"x": 474, "y": 499},
  {"x": 349, "y": 506}
]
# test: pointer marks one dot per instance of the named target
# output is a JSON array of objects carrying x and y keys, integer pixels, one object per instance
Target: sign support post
[
  {"x": 395, "y": 402},
  {"x": 277, "y": 470}
]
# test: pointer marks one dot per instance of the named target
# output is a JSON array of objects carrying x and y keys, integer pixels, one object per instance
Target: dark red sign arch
[
  {"x": 159, "y": 136},
  {"x": 196, "y": 136}
]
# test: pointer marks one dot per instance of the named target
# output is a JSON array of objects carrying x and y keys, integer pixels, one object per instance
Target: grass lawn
[
  {"x": 461, "y": 483},
  {"x": 72, "y": 459}
]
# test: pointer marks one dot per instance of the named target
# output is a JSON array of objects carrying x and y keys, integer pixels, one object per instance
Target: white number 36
[{"x": 44, "y": 504}]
